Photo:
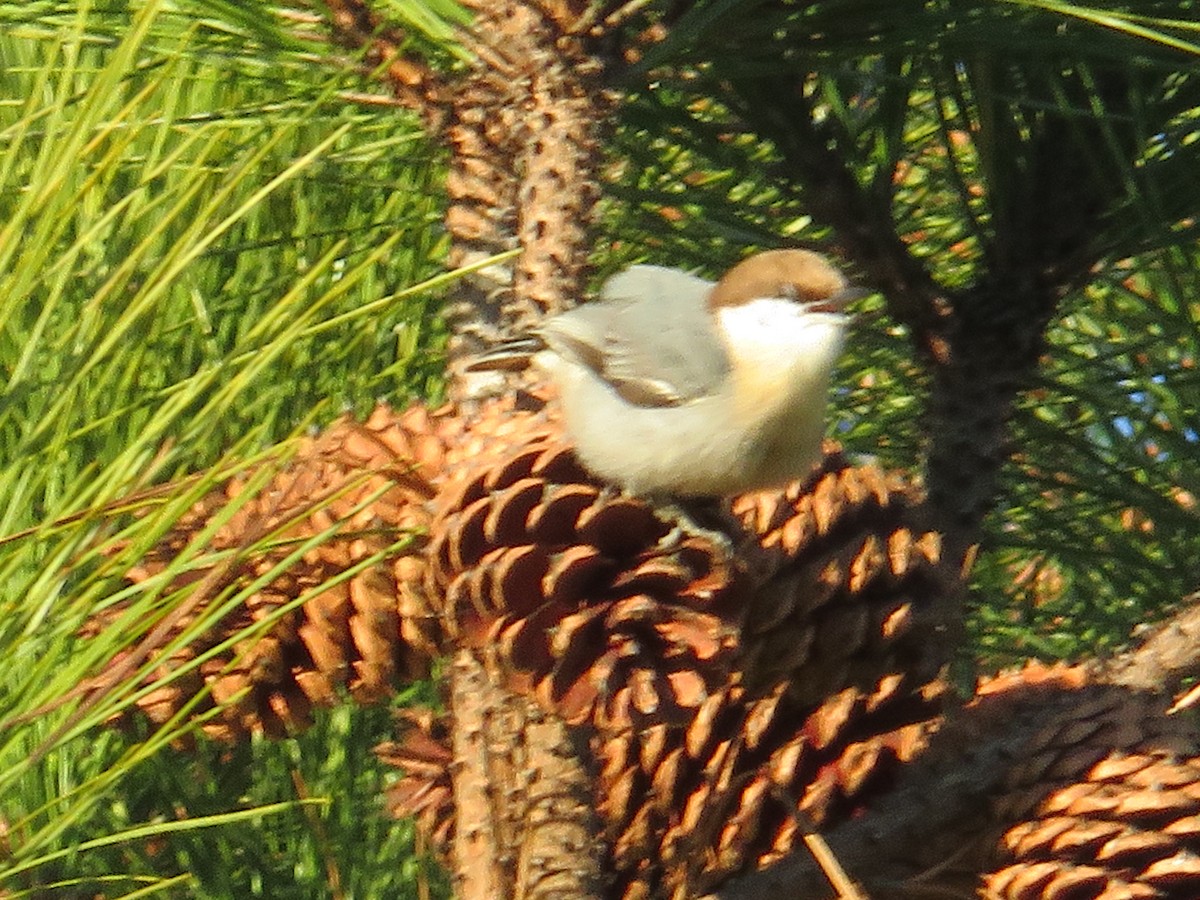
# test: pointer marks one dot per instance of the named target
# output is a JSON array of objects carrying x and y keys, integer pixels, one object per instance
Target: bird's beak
[{"x": 838, "y": 302}]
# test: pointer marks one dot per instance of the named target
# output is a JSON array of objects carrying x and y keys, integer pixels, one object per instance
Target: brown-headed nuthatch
[{"x": 673, "y": 385}]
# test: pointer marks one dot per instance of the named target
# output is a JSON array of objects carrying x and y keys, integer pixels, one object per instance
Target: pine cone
[
  {"x": 575, "y": 592},
  {"x": 836, "y": 687},
  {"x": 424, "y": 791},
  {"x": 367, "y": 486},
  {"x": 576, "y": 595},
  {"x": 1106, "y": 799},
  {"x": 855, "y": 591},
  {"x": 685, "y": 808}
]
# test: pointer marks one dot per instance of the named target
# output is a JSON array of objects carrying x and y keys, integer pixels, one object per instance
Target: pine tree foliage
[{"x": 207, "y": 246}]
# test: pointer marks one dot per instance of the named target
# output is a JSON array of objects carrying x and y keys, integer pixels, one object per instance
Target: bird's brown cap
[{"x": 799, "y": 274}]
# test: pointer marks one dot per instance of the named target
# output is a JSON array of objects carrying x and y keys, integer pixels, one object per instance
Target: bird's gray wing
[{"x": 650, "y": 337}]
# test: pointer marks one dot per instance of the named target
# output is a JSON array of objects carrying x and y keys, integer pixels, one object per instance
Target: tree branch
[{"x": 525, "y": 822}]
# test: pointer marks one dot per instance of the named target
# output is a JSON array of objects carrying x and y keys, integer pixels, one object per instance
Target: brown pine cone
[
  {"x": 356, "y": 492},
  {"x": 685, "y": 808},
  {"x": 424, "y": 791},
  {"x": 1105, "y": 801},
  {"x": 854, "y": 590},
  {"x": 580, "y": 595}
]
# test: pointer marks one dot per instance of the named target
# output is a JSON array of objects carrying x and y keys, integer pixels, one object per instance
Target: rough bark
[
  {"x": 993, "y": 336},
  {"x": 524, "y": 134},
  {"x": 525, "y": 823},
  {"x": 522, "y": 125}
]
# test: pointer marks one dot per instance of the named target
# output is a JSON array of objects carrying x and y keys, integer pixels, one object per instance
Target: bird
[{"x": 674, "y": 386}]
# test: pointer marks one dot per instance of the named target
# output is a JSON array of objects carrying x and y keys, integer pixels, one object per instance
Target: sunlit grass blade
[{"x": 201, "y": 256}]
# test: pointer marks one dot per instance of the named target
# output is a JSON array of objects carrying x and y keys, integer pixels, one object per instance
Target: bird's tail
[{"x": 510, "y": 356}]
